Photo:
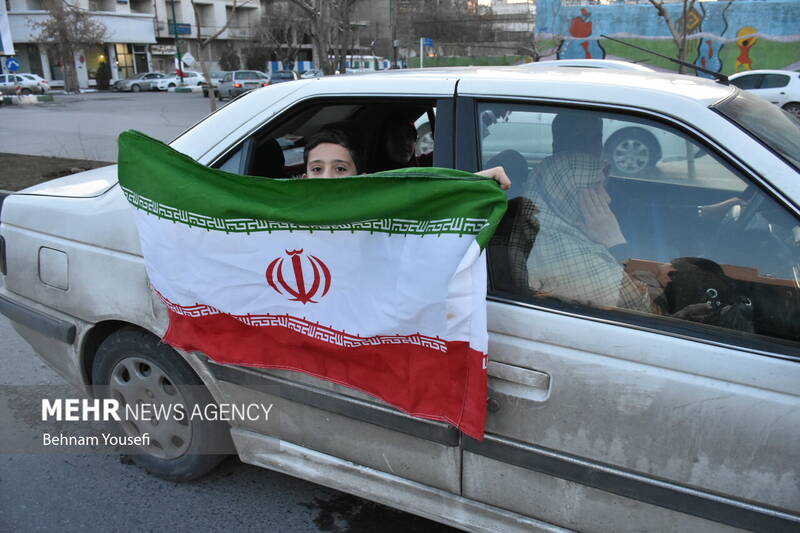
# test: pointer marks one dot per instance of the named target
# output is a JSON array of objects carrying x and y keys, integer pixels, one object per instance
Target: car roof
[
  {"x": 590, "y": 63},
  {"x": 622, "y": 87},
  {"x": 763, "y": 71}
]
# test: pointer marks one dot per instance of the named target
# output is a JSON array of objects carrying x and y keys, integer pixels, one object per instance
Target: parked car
[
  {"x": 601, "y": 417},
  {"x": 189, "y": 79},
  {"x": 240, "y": 81},
  {"x": 280, "y": 76},
  {"x": 781, "y": 87},
  {"x": 144, "y": 81},
  {"x": 43, "y": 83},
  {"x": 216, "y": 79},
  {"x": 313, "y": 73},
  {"x": 18, "y": 84},
  {"x": 589, "y": 63}
]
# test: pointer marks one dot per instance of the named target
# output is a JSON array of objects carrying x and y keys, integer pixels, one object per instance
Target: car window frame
[
  {"x": 443, "y": 157},
  {"x": 469, "y": 139}
]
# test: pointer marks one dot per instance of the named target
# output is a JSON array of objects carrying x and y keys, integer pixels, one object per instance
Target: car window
[
  {"x": 2, "y": 78},
  {"x": 228, "y": 77},
  {"x": 773, "y": 81},
  {"x": 277, "y": 151},
  {"x": 750, "y": 81},
  {"x": 247, "y": 75},
  {"x": 686, "y": 239}
]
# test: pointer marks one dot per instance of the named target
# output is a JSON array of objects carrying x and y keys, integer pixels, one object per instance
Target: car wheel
[
  {"x": 134, "y": 367},
  {"x": 25, "y": 92},
  {"x": 135, "y": 88},
  {"x": 171, "y": 85},
  {"x": 631, "y": 151},
  {"x": 793, "y": 108}
]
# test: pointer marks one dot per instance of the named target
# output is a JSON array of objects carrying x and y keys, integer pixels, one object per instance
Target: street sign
[
  {"x": 180, "y": 29},
  {"x": 12, "y": 64},
  {"x": 188, "y": 59},
  {"x": 427, "y": 41}
]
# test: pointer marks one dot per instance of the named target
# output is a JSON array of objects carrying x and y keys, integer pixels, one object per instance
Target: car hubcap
[
  {"x": 136, "y": 381},
  {"x": 631, "y": 156},
  {"x": 793, "y": 109}
]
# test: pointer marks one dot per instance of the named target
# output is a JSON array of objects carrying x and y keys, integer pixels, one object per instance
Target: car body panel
[{"x": 596, "y": 422}]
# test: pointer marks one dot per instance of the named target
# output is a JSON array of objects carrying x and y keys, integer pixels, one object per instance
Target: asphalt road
[
  {"x": 86, "y": 126},
  {"x": 89, "y": 492}
]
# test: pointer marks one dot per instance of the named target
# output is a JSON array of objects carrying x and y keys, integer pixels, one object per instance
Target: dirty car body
[{"x": 601, "y": 417}]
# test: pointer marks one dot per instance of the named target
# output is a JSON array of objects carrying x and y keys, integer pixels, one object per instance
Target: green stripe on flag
[{"x": 166, "y": 183}]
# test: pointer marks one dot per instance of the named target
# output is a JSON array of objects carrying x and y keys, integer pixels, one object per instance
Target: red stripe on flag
[{"x": 449, "y": 386}]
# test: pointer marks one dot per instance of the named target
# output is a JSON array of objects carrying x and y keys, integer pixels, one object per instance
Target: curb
[
  {"x": 30, "y": 99},
  {"x": 195, "y": 89}
]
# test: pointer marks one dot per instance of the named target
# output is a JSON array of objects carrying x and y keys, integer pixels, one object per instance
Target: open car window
[{"x": 276, "y": 150}]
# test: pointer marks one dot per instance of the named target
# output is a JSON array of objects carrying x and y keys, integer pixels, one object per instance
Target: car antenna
[{"x": 719, "y": 76}]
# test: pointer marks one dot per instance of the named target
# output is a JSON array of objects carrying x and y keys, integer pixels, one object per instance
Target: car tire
[
  {"x": 132, "y": 366},
  {"x": 25, "y": 92},
  {"x": 135, "y": 88},
  {"x": 170, "y": 85},
  {"x": 632, "y": 151},
  {"x": 793, "y": 108}
]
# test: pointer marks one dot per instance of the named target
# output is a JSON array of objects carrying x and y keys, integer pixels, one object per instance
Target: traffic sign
[
  {"x": 427, "y": 41},
  {"x": 12, "y": 64}
]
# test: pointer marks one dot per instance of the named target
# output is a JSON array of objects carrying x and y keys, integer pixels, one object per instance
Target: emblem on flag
[{"x": 321, "y": 274}]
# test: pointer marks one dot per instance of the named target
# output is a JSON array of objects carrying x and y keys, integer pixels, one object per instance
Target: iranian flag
[{"x": 375, "y": 282}]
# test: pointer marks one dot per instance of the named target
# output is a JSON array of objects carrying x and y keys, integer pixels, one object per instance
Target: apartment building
[{"x": 141, "y": 34}]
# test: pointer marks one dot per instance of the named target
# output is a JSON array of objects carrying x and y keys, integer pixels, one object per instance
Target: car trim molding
[
  {"x": 354, "y": 408},
  {"x": 43, "y": 323},
  {"x": 635, "y": 486}
]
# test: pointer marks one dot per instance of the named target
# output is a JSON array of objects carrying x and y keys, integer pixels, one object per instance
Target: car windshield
[{"x": 767, "y": 122}]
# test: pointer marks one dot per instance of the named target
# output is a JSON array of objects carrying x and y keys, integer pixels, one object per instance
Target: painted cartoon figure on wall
[
  {"x": 745, "y": 39},
  {"x": 727, "y": 37},
  {"x": 581, "y": 45}
]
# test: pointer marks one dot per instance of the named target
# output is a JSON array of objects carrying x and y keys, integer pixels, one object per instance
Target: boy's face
[{"x": 328, "y": 160}]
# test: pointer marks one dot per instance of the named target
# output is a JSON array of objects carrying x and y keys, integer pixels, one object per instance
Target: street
[
  {"x": 86, "y": 126},
  {"x": 106, "y": 492}
]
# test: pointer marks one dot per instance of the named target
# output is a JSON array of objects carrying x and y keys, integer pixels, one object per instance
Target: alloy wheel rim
[
  {"x": 631, "y": 156},
  {"x": 136, "y": 381}
]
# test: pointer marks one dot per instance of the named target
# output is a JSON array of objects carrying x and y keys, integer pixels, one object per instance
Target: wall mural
[{"x": 725, "y": 36}]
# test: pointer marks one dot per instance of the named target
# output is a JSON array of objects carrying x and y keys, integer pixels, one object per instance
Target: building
[{"x": 141, "y": 34}]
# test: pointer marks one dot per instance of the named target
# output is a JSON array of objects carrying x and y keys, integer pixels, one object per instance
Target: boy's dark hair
[{"x": 341, "y": 133}]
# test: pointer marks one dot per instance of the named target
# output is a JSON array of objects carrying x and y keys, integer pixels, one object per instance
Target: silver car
[
  {"x": 680, "y": 413},
  {"x": 239, "y": 82},
  {"x": 144, "y": 81}
]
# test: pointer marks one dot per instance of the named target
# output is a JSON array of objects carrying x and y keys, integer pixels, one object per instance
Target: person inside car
[
  {"x": 580, "y": 247},
  {"x": 335, "y": 152},
  {"x": 396, "y": 146}
]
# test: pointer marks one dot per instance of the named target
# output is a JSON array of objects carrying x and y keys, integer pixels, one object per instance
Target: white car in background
[
  {"x": 781, "y": 87},
  {"x": 600, "y": 418},
  {"x": 189, "y": 79},
  {"x": 615, "y": 64},
  {"x": 43, "y": 83}
]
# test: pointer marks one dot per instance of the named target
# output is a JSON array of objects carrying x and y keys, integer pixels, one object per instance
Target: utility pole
[
  {"x": 177, "y": 42},
  {"x": 393, "y": 22}
]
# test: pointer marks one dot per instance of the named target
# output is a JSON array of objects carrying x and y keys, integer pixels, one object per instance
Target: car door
[
  {"x": 612, "y": 406},
  {"x": 5, "y": 86},
  {"x": 773, "y": 88},
  {"x": 315, "y": 414}
]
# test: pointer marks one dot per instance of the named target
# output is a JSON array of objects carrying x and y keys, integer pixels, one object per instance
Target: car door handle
[{"x": 515, "y": 381}]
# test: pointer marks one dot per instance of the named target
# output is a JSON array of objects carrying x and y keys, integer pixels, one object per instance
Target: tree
[
  {"x": 456, "y": 22},
  {"x": 330, "y": 28},
  {"x": 679, "y": 30},
  {"x": 229, "y": 59},
  {"x": 281, "y": 33},
  {"x": 67, "y": 32},
  {"x": 203, "y": 42},
  {"x": 103, "y": 75}
]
